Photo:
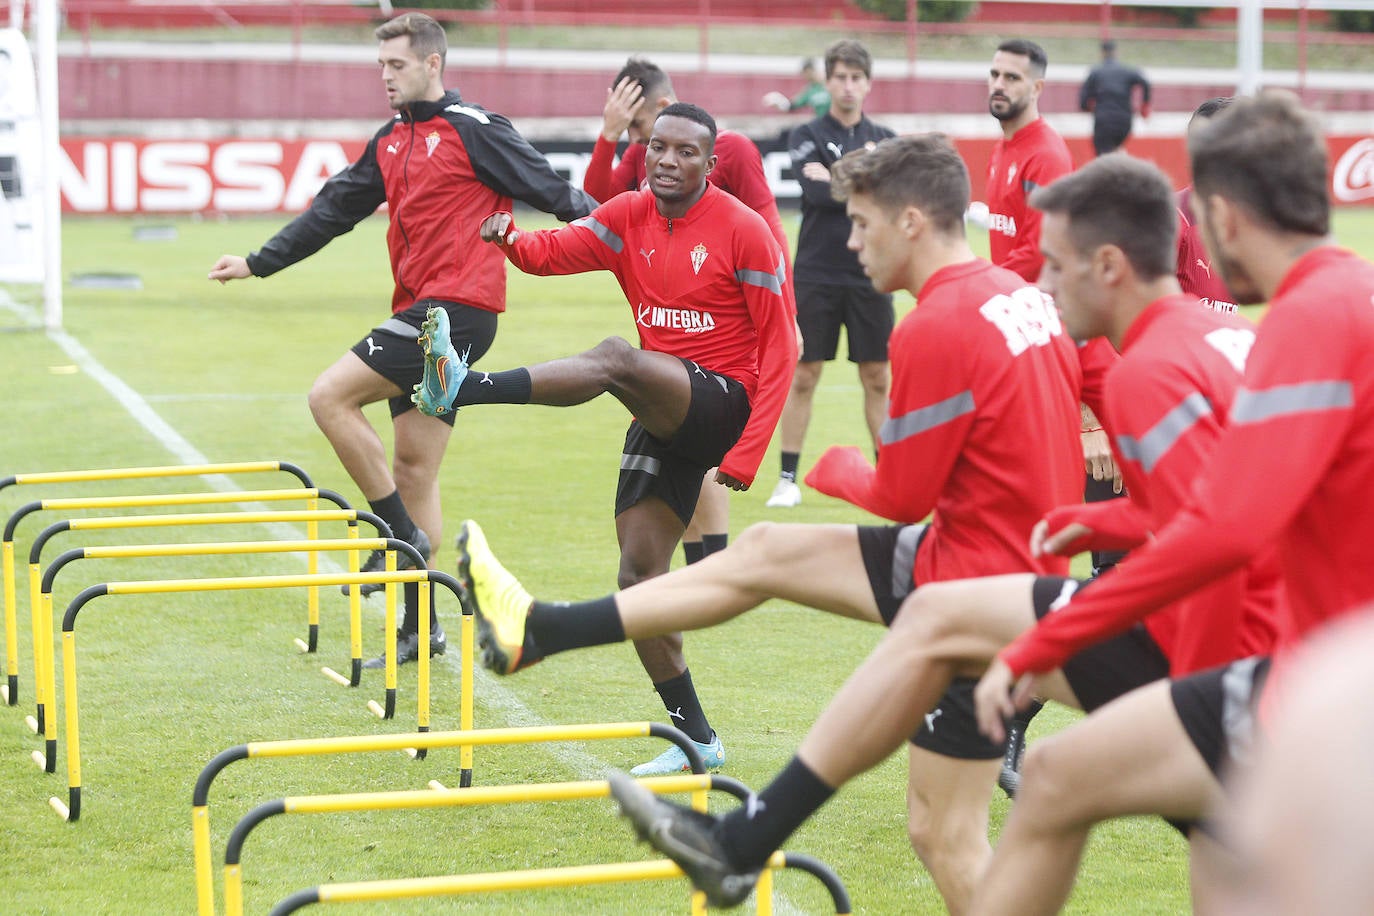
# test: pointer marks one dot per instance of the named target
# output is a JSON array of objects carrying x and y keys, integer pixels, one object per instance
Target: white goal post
[{"x": 30, "y": 199}]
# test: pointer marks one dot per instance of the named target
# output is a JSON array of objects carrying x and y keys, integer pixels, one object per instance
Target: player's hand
[
  {"x": 733, "y": 483},
  {"x": 1063, "y": 541},
  {"x": 230, "y": 267},
  {"x": 622, "y": 104},
  {"x": 777, "y": 100},
  {"x": 499, "y": 228},
  {"x": 1097, "y": 458},
  {"x": 997, "y": 698},
  {"x": 816, "y": 171}
]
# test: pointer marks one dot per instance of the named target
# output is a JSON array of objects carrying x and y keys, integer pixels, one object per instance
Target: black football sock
[
  {"x": 713, "y": 543},
  {"x": 684, "y": 709},
  {"x": 391, "y": 510},
  {"x": 751, "y": 832},
  {"x": 692, "y": 551},
  {"x": 557, "y": 627},
  {"x": 790, "y": 460},
  {"x": 410, "y": 623},
  {"x": 509, "y": 387}
]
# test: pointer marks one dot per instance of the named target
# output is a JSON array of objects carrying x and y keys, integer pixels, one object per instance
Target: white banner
[{"x": 21, "y": 159}]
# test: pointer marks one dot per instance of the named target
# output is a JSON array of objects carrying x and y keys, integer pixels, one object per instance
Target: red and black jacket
[{"x": 441, "y": 167}]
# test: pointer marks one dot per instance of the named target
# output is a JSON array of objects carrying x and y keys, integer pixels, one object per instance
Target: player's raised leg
[{"x": 766, "y": 561}]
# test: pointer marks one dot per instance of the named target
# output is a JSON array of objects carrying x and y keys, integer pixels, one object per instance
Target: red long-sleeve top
[
  {"x": 1293, "y": 470},
  {"x": 1034, "y": 156},
  {"x": 1167, "y": 402},
  {"x": 982, "y": 426},
  {"x": 707, "y": 286}
]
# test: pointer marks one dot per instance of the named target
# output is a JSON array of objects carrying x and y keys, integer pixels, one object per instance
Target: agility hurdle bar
[
  {"x": 48, "y": 761},
  {"x": 10, "y": 689},
  {"x": 311, "y": 495},
  {"x": 698, "y": 785},
  {"x": 72, "y": 809},
  {"x": 42, "y": 623},
  {"x": 464, "y": 740},
  {"x": 451, "y": 885}
]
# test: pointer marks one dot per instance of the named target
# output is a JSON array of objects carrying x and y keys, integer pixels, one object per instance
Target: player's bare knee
[
  {"x": 875, "y": 377},
  {"x": 1049, "y": 795},
  {"x": 412, "y": 475},
  {"x": 928, "y": 616},
  {"x": 325, "y": 402},
  {"x": 806, "y": 377},
  {"x": 633, "y": 571},
  {"x": 945, "y": 848},
  {"x": 614, "y": 358},
  {"x": 760, "y": 546}
]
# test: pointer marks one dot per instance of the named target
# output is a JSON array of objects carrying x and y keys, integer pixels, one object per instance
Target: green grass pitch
[{"x": 168, "y": 681}]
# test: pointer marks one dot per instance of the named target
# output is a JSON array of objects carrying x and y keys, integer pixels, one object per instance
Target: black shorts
[
  {"x": 391, "y": 350},
  {"x": 1108, "y": 669},
  {"x": 673, "y": 471},
  {"x": 1217, "y": 709},
  {"x": 951, "y": 728},
  {"x": 866, "y": 315}
]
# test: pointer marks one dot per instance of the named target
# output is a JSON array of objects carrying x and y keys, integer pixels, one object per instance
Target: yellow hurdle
[
  {"x": 9, "y": 691},
  {"x": 175, "y": 586},
  {"x": 697, "y": 784},
  {"x": 577, "y": 875},
  {"x": 465, "y": 739},
  {"x": 226, "y": 548},
  {"x": 42, "y": 624},
  {"x": 309, "y": 495}
]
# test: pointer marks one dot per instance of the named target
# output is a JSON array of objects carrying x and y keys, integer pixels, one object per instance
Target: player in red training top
[
  {"x": 705, "y": 280},
  {"x": 637, "y": 94},
  {"x": 1292, "y": 470},
  {"x": 981, "y": 435},
  {"x": 474, "y": 161},
  {"x": 1030, "y": 155},
  {"x": 1195, "y": 272}
]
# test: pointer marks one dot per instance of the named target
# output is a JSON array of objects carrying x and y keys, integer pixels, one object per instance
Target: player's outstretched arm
[{"x": 230, "y": 267}]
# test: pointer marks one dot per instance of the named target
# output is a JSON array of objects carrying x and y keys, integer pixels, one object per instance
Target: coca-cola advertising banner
[{"x": 127, "y": 175}]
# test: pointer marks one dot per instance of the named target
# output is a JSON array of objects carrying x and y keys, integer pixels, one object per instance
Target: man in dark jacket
[
  {"x": 1108, "y": 93},
  {"x": 441, "y": 166},
  {"x": 833, "y": 291}
]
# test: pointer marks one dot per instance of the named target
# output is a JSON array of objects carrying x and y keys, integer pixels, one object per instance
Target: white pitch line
[{"x": 494, "y": 696}]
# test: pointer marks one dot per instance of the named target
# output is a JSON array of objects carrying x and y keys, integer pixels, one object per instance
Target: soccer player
[
  {"x": 981, "y": 437},
  {"x": 717, "y": 344},
  {"x": 637, "y": 94},
  {"x": 441, "y": 166},
  {"x": 1195, "y": 273},
  {"x": 1292, "y": 471},
  {"x": 832, "y": 291},
  {"x": 1031, "y": 154},
  {"x": 1109, "y": 93}
]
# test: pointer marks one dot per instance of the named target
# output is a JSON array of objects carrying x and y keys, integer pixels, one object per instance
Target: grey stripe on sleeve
[{"x": 918, "y": 421}]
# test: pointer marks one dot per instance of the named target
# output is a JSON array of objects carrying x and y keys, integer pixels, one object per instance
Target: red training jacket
[
  {"x": 982, "y": 426},
  {"x": 707, "y": 286}
]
